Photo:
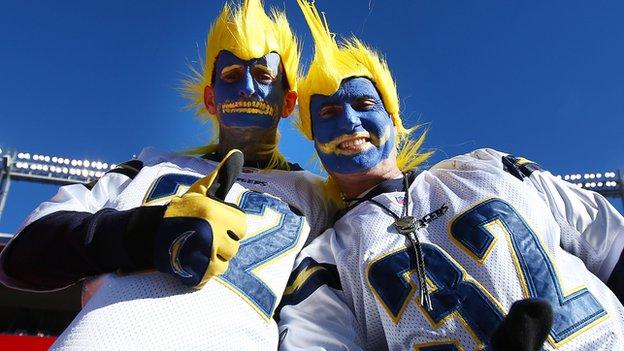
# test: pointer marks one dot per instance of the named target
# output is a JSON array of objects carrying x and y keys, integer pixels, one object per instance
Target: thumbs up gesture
[{"x": 199, "y": 232}]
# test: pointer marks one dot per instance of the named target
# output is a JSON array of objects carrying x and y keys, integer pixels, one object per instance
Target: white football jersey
[
  {"x": 154, "y": 311},
  {"x": 490, "y": 239}
]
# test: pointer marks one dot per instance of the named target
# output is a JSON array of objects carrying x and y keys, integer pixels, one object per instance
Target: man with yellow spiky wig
[
  {"x": 216, "y": 259},
  {"x": 383, "y": 148},
  {"x": 435, "y": 260},
  {"x": 248, "y": 82}
]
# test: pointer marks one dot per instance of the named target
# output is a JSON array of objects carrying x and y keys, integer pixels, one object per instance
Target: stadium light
[
  {"x": 39, "y": 165},
  {"x": 42, "y": 168},
  {"x": 607, "y": 183}
]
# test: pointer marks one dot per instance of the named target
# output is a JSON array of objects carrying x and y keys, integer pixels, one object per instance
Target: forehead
[
  {"x": 350, "y": 88},
  {"x": 226, "y": 58}
]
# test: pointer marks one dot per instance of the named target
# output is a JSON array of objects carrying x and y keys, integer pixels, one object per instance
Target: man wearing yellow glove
[{"x": 159, "y": 211}]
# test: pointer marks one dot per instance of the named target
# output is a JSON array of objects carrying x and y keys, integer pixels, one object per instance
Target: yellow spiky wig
[
  {"x": 332, "y": 64},
  {"x": 247, "y": 32}
]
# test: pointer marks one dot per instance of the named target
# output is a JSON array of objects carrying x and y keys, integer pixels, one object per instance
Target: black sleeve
[{"x": 66, "y": 246}]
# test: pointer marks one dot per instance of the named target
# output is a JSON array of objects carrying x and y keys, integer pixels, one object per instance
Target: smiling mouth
[
  {"x": 253, "y": 107},
  {"x": 348, "y": 144},
  {"x": 352, "y": 144}
]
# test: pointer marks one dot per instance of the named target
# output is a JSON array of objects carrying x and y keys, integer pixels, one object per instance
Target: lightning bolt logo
[{"x": 174, "y": 252}]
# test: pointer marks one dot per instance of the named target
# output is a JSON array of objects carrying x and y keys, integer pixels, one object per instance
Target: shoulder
[
  {"x": 151, "y": 156},
  {"x": 301, "y": 183},
  {"x": 148, "y": 157},
  {"x": 472, "y": 159},
  {"x": 488, "y": 158}
]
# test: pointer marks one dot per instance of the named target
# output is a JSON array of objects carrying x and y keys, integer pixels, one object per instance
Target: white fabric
[
  {"x": 562, "y": 217},
  {"x": 154, "y": 311}
]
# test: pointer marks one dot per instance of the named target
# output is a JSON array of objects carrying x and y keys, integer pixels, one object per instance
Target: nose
[
  {"x": 247, "y": 85},
  {"x": 349, "y": 121}
]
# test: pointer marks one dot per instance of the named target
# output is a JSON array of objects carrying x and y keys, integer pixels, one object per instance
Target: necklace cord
[{"x": 407, "y": 226}]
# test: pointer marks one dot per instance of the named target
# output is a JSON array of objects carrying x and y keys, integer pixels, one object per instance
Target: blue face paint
[
  {"x": 352, "y": 130},
  {"x": 248, "y": 93}
]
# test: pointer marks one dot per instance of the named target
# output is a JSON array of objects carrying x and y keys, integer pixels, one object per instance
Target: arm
[
  {"x": 591, "y": 228},
  {"x": 314, "y": 313},
  {"x": 51, "y": 251},
  {"x": 193, "y": 237}
]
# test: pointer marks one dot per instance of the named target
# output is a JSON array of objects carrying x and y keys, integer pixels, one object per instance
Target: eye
[
  {"x": 231, "y": 75},
  {"x": 263, "y": 75},
  {"x": 330, "y": 111},
  {"x": 365, "y": 104}
]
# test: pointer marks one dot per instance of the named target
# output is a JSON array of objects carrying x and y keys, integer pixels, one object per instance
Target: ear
[
  {"x": 290, "y": 99},
  {"x": 209, "y": 102}
]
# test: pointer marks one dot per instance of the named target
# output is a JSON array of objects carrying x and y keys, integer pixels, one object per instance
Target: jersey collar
[
  {"x": 387, "y": 186},
  {"x": 214, "y": 156}
]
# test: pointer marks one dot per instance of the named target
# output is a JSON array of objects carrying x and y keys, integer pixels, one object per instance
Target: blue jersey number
[
  {"x": 572, "y": 312},
  {"x": 280, "y": 235},
  {"x": 279, "y": 229},
  {"x": 453, "y": 293}
]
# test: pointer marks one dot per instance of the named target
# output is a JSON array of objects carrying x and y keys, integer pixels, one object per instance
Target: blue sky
[{"x": 98, "y": 80}]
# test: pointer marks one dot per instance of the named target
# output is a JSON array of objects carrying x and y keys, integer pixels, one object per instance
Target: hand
[
  {"x": 200, "y": 233},
  {"x": 525, "y": 328}
]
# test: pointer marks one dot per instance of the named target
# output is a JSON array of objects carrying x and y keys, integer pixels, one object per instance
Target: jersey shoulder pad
[
  {"x": 129, "y": 168},
  {"x": 519, "y": 167}
]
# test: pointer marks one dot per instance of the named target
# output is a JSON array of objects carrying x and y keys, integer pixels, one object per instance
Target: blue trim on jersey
[
  {"x": 519, "y": 167},
  {"x": 168, "y": 185},
  {"x": 306, "y": 279},
  {"x": 328, "y": 275},
  {"x": 129, "y": 168}
]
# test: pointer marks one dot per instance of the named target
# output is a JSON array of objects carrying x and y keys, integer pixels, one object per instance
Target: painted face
[
  {"x": 352, "y": 129},
  {"x": 249, "y": 93}
]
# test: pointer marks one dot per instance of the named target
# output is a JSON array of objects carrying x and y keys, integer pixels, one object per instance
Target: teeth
[
  {"x": 349, "y": 144},
  {"x": 254, "y": 107}
]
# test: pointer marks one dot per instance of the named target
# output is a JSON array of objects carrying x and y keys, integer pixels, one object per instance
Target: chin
[
  {"x": 249, "y": 121},
  {"x": 358, "y": 164}
]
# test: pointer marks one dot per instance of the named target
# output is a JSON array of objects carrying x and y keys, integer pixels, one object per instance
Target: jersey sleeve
[
  {"x": 75, "y": 234},
  {"x": 591, "y": 228},
  {"x": 314, "y": 313}
]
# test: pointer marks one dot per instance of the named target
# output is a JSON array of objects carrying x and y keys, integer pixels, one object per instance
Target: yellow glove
[{"x": 199, "y": 232}]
